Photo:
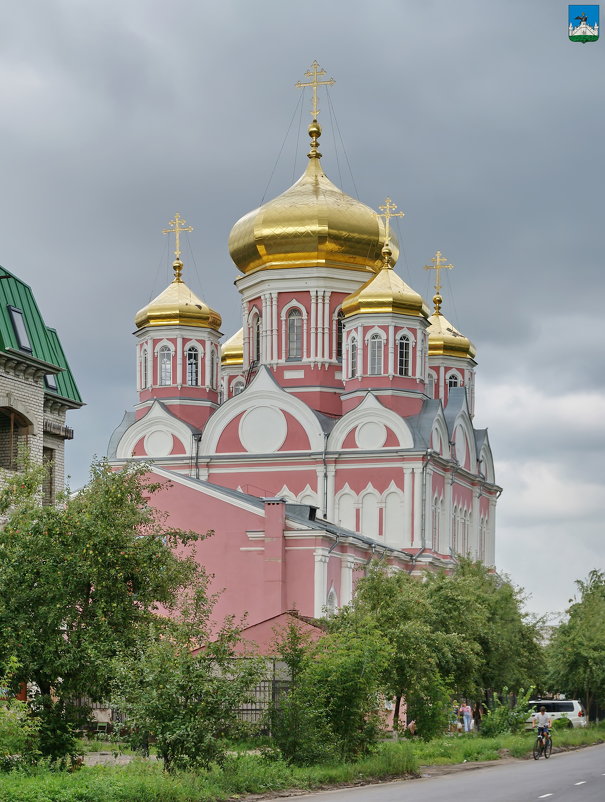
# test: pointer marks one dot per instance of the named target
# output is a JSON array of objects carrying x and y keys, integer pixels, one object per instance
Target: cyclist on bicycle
[{"x": 542, "y": 722}]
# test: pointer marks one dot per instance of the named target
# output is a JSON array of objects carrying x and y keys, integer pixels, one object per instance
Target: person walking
[{"x": 467, "y": 716}]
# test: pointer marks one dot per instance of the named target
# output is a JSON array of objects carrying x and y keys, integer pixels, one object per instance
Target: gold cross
[
  {"x": 314, "y": 72},
  {"x": 438, "y": 264},
  {"x": 177, "y": 226},
  {"x": 388, "y": 211}
]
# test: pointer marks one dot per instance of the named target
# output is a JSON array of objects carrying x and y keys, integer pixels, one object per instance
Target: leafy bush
[
  {"x": 19, "y": 732},
  {"x": 504, "y": 717}
]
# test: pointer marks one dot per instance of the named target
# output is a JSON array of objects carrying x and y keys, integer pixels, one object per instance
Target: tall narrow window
[
  {"x": 145, "y": 370},
  {"x": 431, "y": 385},
  {"x": 193, "y": 367},
  {"x": 403, "y": 357},
  {"x": 375, "y": 355},
  {"x": 212, "y": 368},
  {"x": 295, "y": 334},
  {"x": 165, "y": 366},
  {"x": 453, "y": 380},
  {"x": 256, "y": 327},
  {"x": 340, "y": 320},
  {"x": 20, "y": 328},
  {"x": 353, "y": 360}
]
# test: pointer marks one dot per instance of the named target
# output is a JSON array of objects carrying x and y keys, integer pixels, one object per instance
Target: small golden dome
[
  {"x": 232, "y": 351},
  {"x": 444, "y": 339},
  {"x": 178, "y": 306},
  {"x": 312, "y": 223},
  {"x": 385, "y": 292}
]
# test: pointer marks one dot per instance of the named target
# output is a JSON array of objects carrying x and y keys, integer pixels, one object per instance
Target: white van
[{"x": 569, "y": 709}]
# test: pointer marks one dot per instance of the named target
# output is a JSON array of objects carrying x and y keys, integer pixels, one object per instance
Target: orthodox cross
[
  {"x": 314, "y": 72},
  {"x": 177, "y": 226},
  {"x": 438, "y": 264},
  {"x": 388, "y": 211}
]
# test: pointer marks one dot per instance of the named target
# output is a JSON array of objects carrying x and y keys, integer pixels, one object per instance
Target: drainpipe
[
  {"x": 425, "y": 461},
  {"x": 197, "y": 438}
]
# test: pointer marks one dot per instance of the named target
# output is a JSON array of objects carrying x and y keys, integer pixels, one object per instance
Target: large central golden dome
[{"x": 314, "y": 223}]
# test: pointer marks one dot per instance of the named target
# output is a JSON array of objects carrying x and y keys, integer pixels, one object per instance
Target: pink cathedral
[{"x": 335, "y": 427}]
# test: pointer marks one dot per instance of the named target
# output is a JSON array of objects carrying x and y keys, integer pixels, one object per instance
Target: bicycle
[{"x": 543, "y": 745}]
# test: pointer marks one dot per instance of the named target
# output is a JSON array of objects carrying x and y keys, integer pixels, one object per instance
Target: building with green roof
[{"x": 36, "y": 385}]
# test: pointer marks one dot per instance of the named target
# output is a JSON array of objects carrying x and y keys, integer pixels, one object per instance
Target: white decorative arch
[
  {"x": 405, "y": 332},
  {"x": 456, "y": 373},
  {"x": 486, "y": 466},
  {"x": 162, "y": 344},
  {"x": 345, "y": 504},
  {"x": 294, "y": 304},
  {"x": 263, "y": 391},
  {"x": 370, "y": 409},
  {"x": 157, "y": 420},
  {"x": 308, "y": 496},
  {"x": 194, "y": 344},
  {"x": 331, "y": 601},
  {"x": 393, "y": 518},
  {"x": 369, "y": 500},
  {"x": 375, "y": 330},
  {"x": 439, "y": 437},
  {"x": 286, "y": 493}
]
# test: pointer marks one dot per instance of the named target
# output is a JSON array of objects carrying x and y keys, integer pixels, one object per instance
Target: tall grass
[{"x": 252, "y": 773}]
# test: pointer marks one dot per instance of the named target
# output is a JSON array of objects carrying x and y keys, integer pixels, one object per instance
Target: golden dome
[
  {"x": 444, "y": 339},
  {"x": 232, "y": 351},
  {"x": 385, "y": 292},
  {"x": 178, "y": 306},
  {"x": 312, "y": 223}
]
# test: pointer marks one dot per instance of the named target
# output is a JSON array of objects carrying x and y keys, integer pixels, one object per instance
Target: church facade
[{"x": 336, "y": 426}]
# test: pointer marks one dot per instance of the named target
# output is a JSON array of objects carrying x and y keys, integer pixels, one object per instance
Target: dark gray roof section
[
  {"x": 456, "y": 404},
  {"x": 117, "y": 434},
  {"x": 480, "y": 438},
  {"x": 421, "y": 425}
]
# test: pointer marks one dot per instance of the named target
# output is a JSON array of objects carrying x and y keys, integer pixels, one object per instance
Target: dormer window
[
  {"x": 20, "y": 329},
  {"x": 50, "y": 380},
  {"x": 453, "y": 380}
]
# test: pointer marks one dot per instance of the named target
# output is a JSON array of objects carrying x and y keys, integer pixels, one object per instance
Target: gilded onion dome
[
  {"x": 385, "y": 292},
  {"x": 312, "y": 223},
  {"x": 232, "y": 351},
  {"x": 178, "y": 306},
  {"x": 444, "y": 339}
]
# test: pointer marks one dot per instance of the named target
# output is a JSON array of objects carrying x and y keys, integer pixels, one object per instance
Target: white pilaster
[
  {"x": 326, "y": 349},
  {"x": 346, "y": 579},
  {"x": 391, "y": 356},
  {"x": 320, "y": 582},
  {"x": 313, "y": 323},
  {"x": 417, "y": 533},
  {"x": 274, "y": 326}
]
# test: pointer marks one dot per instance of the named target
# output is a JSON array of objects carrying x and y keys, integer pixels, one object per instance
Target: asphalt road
[{"x": 566, "y": 777}]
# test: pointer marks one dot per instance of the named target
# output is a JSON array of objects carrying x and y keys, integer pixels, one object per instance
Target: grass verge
[{"x": 253, "y": 774}]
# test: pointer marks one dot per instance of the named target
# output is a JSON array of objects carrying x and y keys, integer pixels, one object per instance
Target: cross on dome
[
  {"x": 438, "y": 265},
  {"x": 388, "y": 211},
  {"x": 314, "y": 72},
  {"x": 176, "y": 227}
]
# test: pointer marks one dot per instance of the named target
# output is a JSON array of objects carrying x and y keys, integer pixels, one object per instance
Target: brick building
[{"x": 36, "y": 386}]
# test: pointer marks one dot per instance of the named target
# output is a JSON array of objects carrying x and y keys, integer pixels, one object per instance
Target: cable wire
[{"x": 262, "y": 200}]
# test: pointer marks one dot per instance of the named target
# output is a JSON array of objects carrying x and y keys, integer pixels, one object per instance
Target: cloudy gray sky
[{"x": 481, "y": 120}]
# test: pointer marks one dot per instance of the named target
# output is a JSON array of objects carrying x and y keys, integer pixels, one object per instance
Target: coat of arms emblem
[{"x": 583, "y": 23}]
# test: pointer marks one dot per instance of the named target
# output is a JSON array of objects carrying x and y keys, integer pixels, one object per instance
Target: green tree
[
  {"x": 19, "y": 733},
  {"x": 186, "y": 701},
  {"x": 332, "y": 709},
  {"x": 82, "y": 580},
  {"x": 576, "y": 653}
]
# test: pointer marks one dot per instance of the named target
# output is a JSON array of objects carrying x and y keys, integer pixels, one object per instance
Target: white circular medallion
[
  {"x": 263, "y": 430},
  {"x": 371, "y": 435},
  {"x": 158, "y": 444}
]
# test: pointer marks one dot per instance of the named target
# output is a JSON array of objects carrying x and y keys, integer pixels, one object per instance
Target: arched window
[
  {"x": 403, "y": 356},
  {"x": 193, "y": 367},
  {"x": 453, "y": 380},
  {"x": 238, "y": 387},
  {"x": 295, "y": 335},
  {"x": 340, "y": 320},
  {"x": 256, "y": 331},
  {"x": 353, "y": 359},
  {"x": 331, "y": 603},
  {"x": 375, "y": 355},
  {"x": 144, "y": 369},
  {"x": 165, "y": 366},
  {"x": 212, "y": 368},
  {"x": 431, "y": 385}
]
